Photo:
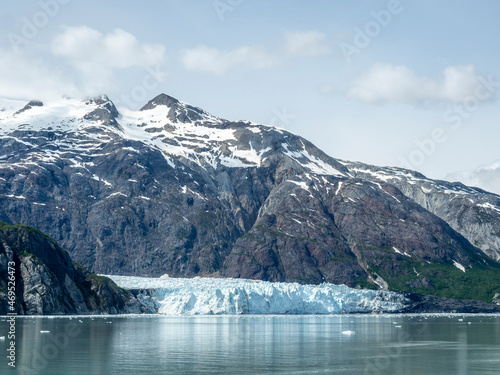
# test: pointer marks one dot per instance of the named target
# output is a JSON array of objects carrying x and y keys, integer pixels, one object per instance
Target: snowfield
[{"x": 208, "y": 296}]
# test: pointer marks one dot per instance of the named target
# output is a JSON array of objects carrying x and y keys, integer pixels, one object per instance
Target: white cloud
[
  {"x": 23, "y": 77},
  {"x": 96, "y": 55},
  {"x": 486, "y": 177},
  {"x": 212, "y": 60},
  {"x": 216, "y": 61},
  {"x": 307, "y": 43},
  {"x": 388, "y": 83}
]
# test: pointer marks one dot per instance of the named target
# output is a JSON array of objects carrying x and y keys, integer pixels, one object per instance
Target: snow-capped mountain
[
  {"x": 173, "y": 189},
  {"x": 177, "y": 129}
]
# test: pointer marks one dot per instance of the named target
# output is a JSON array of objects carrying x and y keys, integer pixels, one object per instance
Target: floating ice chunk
[
  {"x": 44, "y": 331},
  {"x": 348, "y": 333}
]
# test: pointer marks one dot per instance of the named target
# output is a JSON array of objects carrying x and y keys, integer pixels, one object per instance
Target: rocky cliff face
[
  {"x": 173, "y": 189},
  {"x": 472, "y": 212},
  {"x": 47, "y": 281}
]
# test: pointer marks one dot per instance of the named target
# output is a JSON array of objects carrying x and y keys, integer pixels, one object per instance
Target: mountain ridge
[{"x": 173, "y": 189}]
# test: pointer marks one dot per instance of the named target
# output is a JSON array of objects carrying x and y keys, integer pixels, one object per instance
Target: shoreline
[{"x": 151, "y": 316}]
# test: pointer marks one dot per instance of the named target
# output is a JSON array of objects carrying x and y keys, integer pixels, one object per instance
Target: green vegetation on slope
[{"x": 479, "y": 282}]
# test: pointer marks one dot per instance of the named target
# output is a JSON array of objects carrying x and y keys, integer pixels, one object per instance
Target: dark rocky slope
[{"x": 49, "y": 283}]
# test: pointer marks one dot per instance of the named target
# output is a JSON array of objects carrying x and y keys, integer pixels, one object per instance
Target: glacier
[{"x": 218, "y": 296}]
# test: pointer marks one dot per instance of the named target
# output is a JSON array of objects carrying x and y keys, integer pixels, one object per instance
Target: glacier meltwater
[{"x": 207, "y": 296}]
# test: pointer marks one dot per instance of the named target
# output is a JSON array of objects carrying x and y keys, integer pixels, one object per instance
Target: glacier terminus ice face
[{"x": 213, "y": 296}]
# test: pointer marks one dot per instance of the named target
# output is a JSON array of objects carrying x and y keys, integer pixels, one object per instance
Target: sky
[{"x": 397, "y": 83}]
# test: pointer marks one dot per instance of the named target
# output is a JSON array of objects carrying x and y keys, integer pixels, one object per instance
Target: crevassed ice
[{"x": 204, "y": 296}]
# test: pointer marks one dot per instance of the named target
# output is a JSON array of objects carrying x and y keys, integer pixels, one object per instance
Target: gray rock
[{"x": 48, "y": 283}]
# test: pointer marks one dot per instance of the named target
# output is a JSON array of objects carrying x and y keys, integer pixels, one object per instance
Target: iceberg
[{"x": 218, "y": 296}]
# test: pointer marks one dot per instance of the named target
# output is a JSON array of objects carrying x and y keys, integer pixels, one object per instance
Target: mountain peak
[
  {"x": 31, "y": 104},
  {"x": 105, "y": 112},
  {"x": 99, "y": 100},
  {"x": 162, "y": 99},
  {"x": 179, "y": 111}
]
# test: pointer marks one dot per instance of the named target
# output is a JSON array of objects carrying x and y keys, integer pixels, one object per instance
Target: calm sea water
[{"x": 415, "y": 344}]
